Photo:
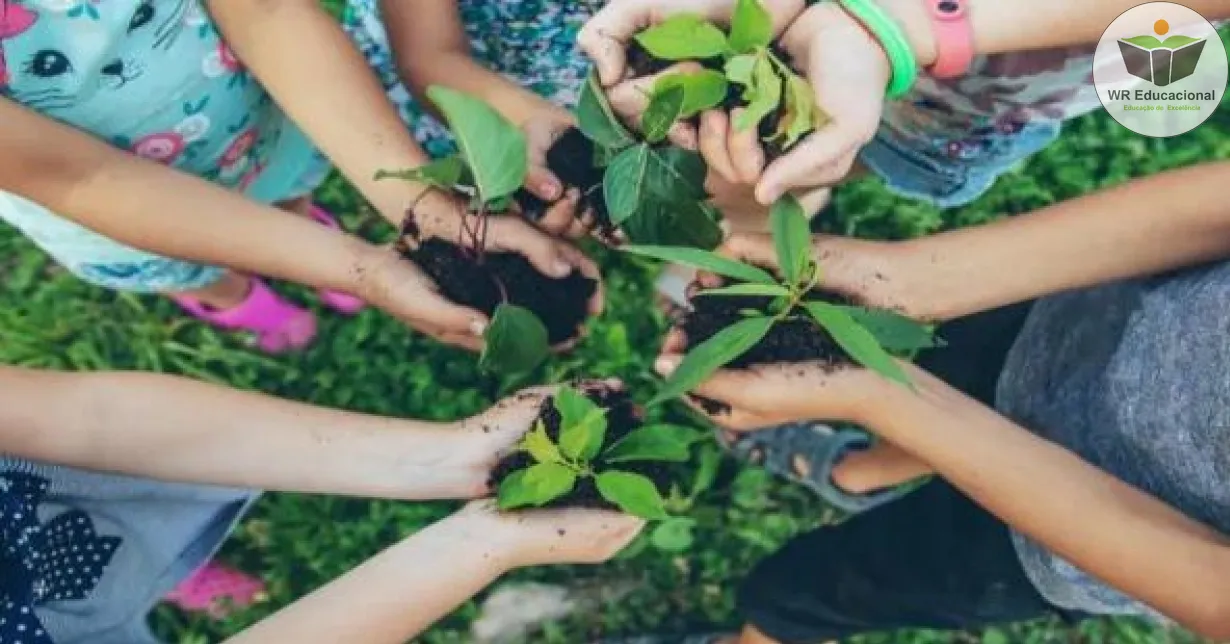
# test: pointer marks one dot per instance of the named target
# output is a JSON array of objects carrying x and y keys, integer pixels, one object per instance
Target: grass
[{"x": 372, "y": 364}]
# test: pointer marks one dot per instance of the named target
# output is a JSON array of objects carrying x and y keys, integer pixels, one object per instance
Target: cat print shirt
[{"x": 155, "y": 78}]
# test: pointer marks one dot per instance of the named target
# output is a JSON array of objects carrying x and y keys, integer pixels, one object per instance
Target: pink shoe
[
  {"x": 217, "y": 591},
  {"x": 343, "y": 303},
  {"x": 279, "y": 325}
]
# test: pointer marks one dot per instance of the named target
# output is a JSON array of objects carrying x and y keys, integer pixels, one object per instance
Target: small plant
[
  {"x": 776, "y": 99},
  {"x": 786, "y": 307},
  {"x": 579, "y": 449},
  {"x": 490, "y": 169}
]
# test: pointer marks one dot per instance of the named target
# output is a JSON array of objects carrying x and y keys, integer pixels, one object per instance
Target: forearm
[
  {"x": 1090, "y": 518},
  {"x": 1003, "y": 27},
  {"x": 176, "y": 429},
  {"x": 157, "y": 209},
  {"x": 1165, "y": 222},
  {"x": 304, "y": 59},
  {"x": 394, "y": 596}
]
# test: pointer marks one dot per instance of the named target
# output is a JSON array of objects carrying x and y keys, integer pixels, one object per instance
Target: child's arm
[
  {"x": 1152, "y": 225},
  {"x": 399, "y": 593},
  {"x": 1076, "y": 510},
  {"x": 176, "y": 429},
  {"x": 150, "y": 207}
]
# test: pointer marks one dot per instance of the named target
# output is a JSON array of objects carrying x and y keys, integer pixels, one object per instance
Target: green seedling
[
  {"x": 582, "y": 452},
  {"x": 491, "y": 166},
  {"x": 743, "y": 57},
  {"x": 869, "y": 337}
]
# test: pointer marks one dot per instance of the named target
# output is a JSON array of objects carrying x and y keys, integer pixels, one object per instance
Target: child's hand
[
  {"x": 849, "y": 71},
  {"x": 563, "y": 536},
  {"x": 561, "y": 218},
  {"x": 773, "y": 395}
]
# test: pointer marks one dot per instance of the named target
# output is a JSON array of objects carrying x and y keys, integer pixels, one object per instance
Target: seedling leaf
[
  {"x": 856, "y": 341},
  {"x": 676, "y": 175},
  {"x": 712, "y": 354},
  {"x": 747, "y": 290},
  {"x": 802, "y": 115},
  {"x": 791, "y": 238},
  {"x": 632, "y": 493},
  {"x": 583, "y": 425},
  {"x": 685, "y": 36},
  {"x": 751, "y": 28},
  {"x": 624, "y": 183},
  {"x": 896, "y": 333},
  {"x": 707, "y": 471},
  {"x": 764, "y": 95},
  {"x": 702, "y": 90},
  {"x": 536, "y": 486},
  {"x": 653, "y": 443},
  {"x": 597, "y": 120},
  {"x": 539, "y": 445},
  {"x": 705, "y": 261},
  {"x": 673, "y": 535},
  {"x": 444, "y": 173},
  {"x": 515, "y": 342},
  {"x": 664, "y": 109},
  {"x": 493, "y": 148},
  {"x": 691, "y": 224},
  {"x": 741, "y": 70}
]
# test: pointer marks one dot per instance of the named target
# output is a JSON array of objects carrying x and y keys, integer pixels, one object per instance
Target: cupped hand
[
  {"x": 849, "y": 72},
  {"x": 563, "y": 536},
  {"x": 561, "y": 217}
]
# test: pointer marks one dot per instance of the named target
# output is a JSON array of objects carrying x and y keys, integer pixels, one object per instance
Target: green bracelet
[{"x": 892, "y": 37}]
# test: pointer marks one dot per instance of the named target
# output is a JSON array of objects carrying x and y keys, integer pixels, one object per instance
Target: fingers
[
  {"x": 604, "y": 38},
  {"x": 547, "y": 254},
  {"x": 714, "y": 131},
  {"x": 630, "y": 98},
  {"x": 750, "y": 248},
  {"x": 676, "y": 342},
  {"x": 746, "y": 153},
  {"x": 560, "y": 219},
  {"x": 543, "y": 183},
  {"x": 541, "y": 133},
  {"x": 822, "y": 159}
]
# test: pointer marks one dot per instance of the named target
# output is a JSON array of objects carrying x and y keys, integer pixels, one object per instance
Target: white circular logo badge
[{"x": 1160, "y": 69}]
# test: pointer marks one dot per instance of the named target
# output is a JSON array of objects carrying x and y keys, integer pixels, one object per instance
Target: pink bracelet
[{"x": 954, "y": 39}]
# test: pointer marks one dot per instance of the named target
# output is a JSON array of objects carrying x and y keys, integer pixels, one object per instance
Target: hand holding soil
[{"x": 560, "y": 536}]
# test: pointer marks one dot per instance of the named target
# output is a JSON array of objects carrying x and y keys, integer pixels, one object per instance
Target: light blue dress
[{"x": 152, "y": 77}]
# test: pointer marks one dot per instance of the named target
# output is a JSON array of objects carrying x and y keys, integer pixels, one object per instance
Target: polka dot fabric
[{"x": 61, "y": 560}]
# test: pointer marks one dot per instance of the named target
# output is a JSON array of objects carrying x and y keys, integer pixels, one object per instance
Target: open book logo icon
[{"x": 1162, "y": 62}]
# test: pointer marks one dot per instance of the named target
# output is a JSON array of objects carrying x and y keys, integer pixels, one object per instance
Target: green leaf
[
  {"x": 856, "y": 341},
  {"x": 653, "y": 443},
  {"x": 705, "y": 261},
  {"x": 676, "y": 175},
  {"x": 539, "y": 445},
  {"x": 664, "y": 109},
  {"x": 624, "y": 182},
  {"x": 583, "y": 425},
  {"x": 444, "y": 173},
  {"x": 494, "y": 149},
  {"x": 896, "y": 333},
  {"x": 741, "y": 70},
  {"x": 713, "y": 354},
  {"x": 673, "y": 535},
  {"x": 632, "y": 493},
  {"x": 791, "y": 238},
  {"x": 536, "y": 486},
  {"x": 747, "y": 290},
  {"x": 751, "y": 27},
  {"x": 684, "y": 36},
  {"x": 691, "y": 224},
  {"x": 702, "y": 90},
  {"x": 515, "y": 342},
  {"x": 802, "y": 115},
  {"x": 764, "y": 95},
  {"x": 707, "y": 471},
  {"x": 597, "y": 120}
]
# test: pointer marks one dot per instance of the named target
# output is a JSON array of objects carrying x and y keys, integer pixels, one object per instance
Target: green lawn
[{"x": 372, "y": 364}]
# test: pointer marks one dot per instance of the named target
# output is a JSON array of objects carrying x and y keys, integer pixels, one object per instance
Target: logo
[{"x": 1161, "y": 69}]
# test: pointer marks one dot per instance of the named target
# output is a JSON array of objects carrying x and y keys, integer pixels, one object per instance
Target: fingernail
[
  {"x": 551, "y": 189},
  {"x": 561, "y": 268},
  {"x": 478, "y": 327},
  {"x": 666, "y": 365}
]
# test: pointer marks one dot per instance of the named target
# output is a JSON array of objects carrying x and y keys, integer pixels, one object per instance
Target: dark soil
[
  {"x": 622, "y": 418},
  {"x": 571, "y": 158},
  {"x": 793, "y": 341},
  {"x": 561, "y": 304}
]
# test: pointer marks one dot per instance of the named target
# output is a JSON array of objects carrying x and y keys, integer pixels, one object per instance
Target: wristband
[
  {"x": 894, "y": 41},
  {"x": 954, "y": 39}
]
